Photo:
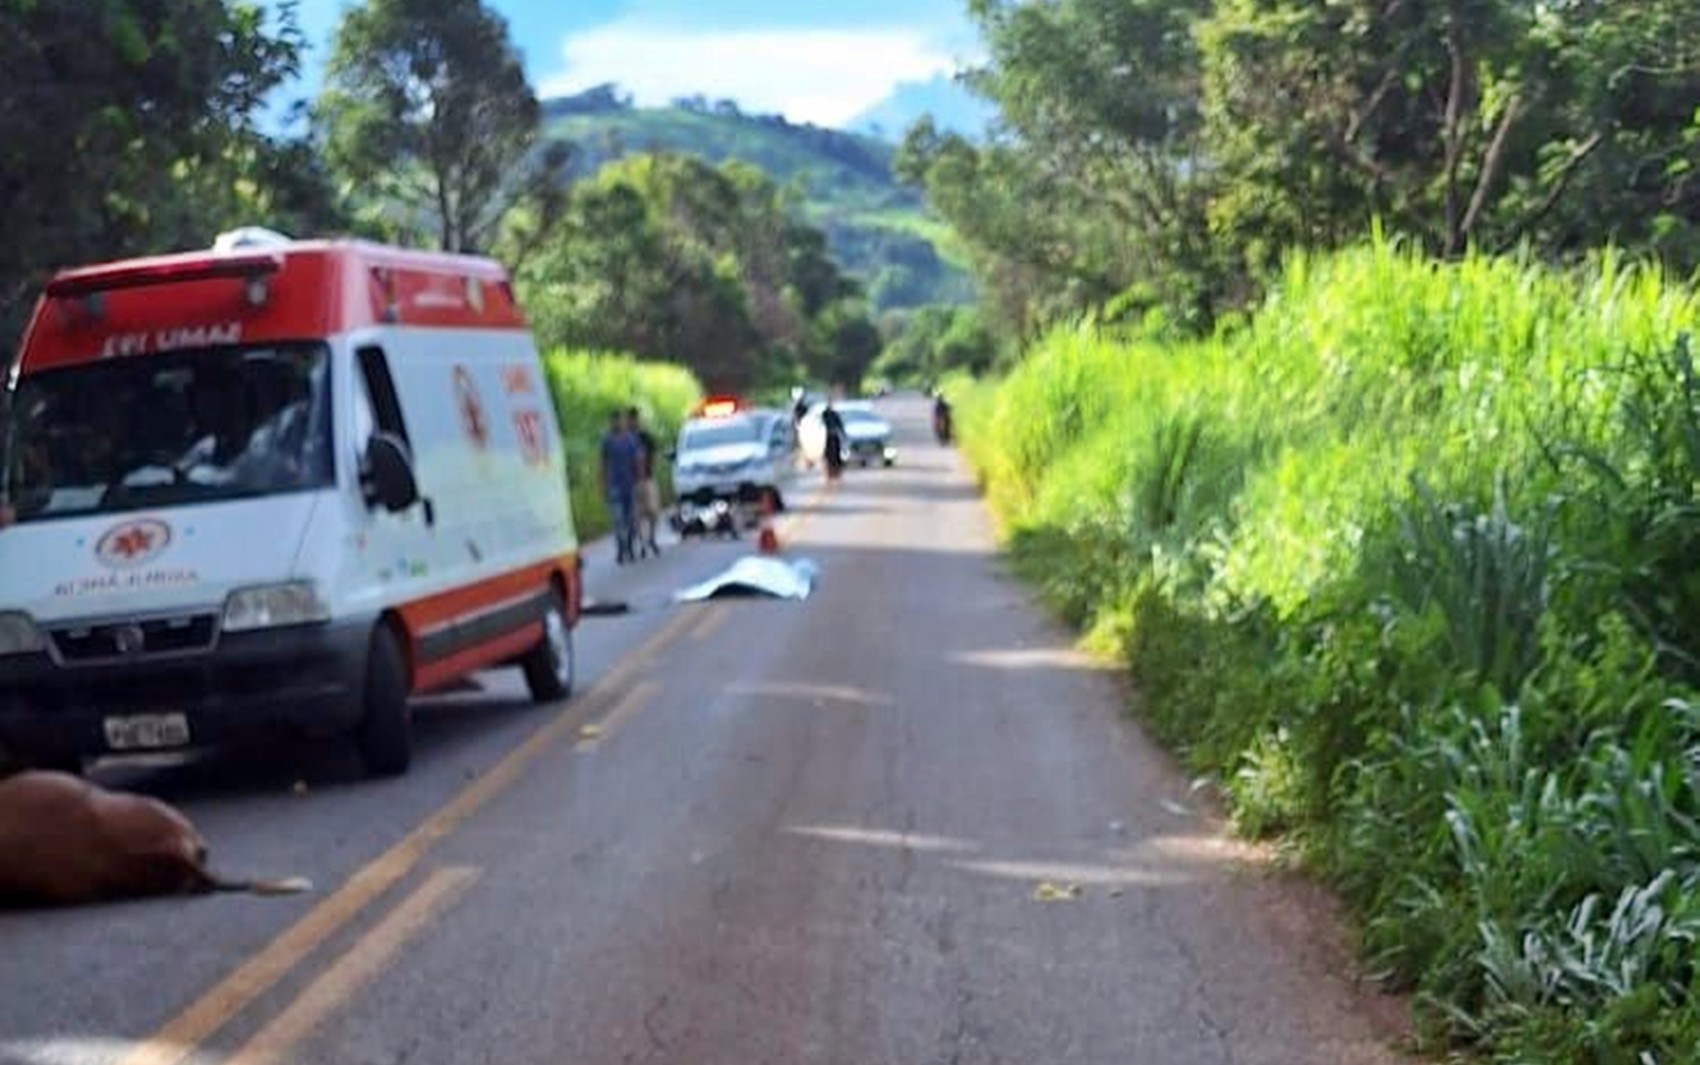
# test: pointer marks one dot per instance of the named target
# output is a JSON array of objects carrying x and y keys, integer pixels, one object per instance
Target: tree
[
  {"x": 670, "y": 258},
  {"x": 642, "y": 263},
  {"x": 1462, "y": 122},
  {"x": 846, "y": 343},
  {"x": 935, "y": 341},
  {"x": 1093, "y": 183},
  {"x": 427, "y": 109},
  {"x": 109, "y": 105},
  {"x": 1166, "y": 154}
]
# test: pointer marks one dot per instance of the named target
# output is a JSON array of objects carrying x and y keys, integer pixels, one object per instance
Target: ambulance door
[{"x": 391, "y": 562}]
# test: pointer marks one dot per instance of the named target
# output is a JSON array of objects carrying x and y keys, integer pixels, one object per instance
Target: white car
[
  {"x": 735, "y": 457},
  {"x": 869, "y": 434}
]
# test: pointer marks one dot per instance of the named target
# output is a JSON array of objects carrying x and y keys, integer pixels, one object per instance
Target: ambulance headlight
[
  {"x": 18, "y": 634},
  {"x": 271, "y": 606}
]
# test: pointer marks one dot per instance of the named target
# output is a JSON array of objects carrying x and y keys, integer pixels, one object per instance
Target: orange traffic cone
[{"x": 767, "y": 541}]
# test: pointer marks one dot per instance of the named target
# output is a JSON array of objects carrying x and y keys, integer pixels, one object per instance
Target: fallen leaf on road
[
  {"x": 1049, "y": 892},
  {"x": 1175, "y": 808},
  {"x": 1116, "y": 892},
  {"x": 589, "y": 732}
]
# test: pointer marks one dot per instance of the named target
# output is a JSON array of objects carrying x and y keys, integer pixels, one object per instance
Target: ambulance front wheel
[
  {"x": 549, "y": 666},
  {"x": 386, "y": 729}
]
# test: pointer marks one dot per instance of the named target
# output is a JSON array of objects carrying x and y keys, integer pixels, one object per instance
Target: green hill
[{"x": 879, "y": 229}]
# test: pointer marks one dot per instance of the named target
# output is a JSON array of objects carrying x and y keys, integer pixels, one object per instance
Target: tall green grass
[
  {"x": 587, "y": 387},
  {"x": 1410, "y": 561}
]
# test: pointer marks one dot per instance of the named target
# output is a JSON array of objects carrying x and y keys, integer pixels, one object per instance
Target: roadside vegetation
[
  {"x": 1376, "y": 468},
  {"x": 587, "y": 386},
  {"x": 1406, "y": 563}
]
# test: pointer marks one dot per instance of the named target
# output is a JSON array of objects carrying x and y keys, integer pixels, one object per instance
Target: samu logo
[{"x": 133, "y": 543}]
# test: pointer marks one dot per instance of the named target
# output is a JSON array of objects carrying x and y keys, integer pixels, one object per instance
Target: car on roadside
[
  {"x": 734, "y": 454},
  {"x": 868, "y": 432}
]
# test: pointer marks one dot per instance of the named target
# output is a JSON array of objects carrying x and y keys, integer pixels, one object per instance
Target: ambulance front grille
[{"x": 126, "y": 641}]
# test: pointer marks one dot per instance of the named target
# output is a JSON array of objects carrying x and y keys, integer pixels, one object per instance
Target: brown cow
[{"x": 65, "y": 842}]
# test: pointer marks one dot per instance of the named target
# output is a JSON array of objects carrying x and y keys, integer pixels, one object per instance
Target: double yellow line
[
  {"x": 610, "y": 702},
  {"x": 179, "y": 1038},
  {"x": 357, "y": 968}
]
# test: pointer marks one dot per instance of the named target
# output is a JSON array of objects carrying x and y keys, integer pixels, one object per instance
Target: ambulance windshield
[{"x": 169, "y": 430}]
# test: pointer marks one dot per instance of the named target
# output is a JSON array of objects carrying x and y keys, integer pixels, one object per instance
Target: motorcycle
[{"x": 707, "y": 516}]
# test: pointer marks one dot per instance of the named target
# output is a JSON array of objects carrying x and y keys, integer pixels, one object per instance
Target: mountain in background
[
  {"x": 953, "y": 108},
  {"x": 879, "y": 229}
]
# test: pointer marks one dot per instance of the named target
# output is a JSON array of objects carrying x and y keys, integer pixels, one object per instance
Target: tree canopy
[
  {"x": 130, "y": 126},
  {"x": 428, "y": 114},
  {"x": 668, "y": 257},
  {"x": 1164, "y": 154},
  {"x": 134, "y": 127}
]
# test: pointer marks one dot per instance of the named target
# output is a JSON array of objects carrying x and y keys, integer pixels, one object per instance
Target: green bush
[
  {"x": 587, "y": 387},
  {"x": 1407, "y": 561}
]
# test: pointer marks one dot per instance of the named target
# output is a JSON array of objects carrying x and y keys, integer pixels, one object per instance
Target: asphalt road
[{"x": 793, "y": 832}]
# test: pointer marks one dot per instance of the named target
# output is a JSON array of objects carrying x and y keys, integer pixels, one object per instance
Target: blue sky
[{"x": 813, "y": 61}]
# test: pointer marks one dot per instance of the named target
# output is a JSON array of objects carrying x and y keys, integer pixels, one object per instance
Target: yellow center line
[
  {"x": 368, "y": 957},
  {"x": 713, "y": 618},
  {"x": 178, "y": 1038},
  {"x": 633, "y": 701}
]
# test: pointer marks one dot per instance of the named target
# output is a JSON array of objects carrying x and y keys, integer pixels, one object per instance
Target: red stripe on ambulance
[{"x": 307, "y": 289}]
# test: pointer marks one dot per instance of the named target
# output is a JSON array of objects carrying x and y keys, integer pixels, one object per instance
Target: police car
[{"x": 730, "y": 454}]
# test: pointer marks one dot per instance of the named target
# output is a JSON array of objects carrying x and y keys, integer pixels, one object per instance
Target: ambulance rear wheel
[
  {"x": 549, "y": 667},
  {"x": 386, "y": 730}
]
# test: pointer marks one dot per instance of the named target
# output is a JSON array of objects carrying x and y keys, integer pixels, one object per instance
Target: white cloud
[{"x": 823, "y": 76}]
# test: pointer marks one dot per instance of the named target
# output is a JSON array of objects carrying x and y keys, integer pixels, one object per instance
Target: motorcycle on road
[{"x": 941, "y": 421}]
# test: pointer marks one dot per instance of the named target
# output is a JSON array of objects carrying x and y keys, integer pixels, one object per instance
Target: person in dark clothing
[
  {"x": 621, "y": 458},
  {"x": 941, "y": 418},
  {"x": 833, "y": 423},
  {"x": 647, "y": 495}
]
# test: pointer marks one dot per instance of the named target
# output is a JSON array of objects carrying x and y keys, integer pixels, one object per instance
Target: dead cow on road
[{"x": 65, "y": 842}]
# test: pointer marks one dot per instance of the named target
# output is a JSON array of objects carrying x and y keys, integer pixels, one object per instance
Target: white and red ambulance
[{"x": 286, "y": 485}]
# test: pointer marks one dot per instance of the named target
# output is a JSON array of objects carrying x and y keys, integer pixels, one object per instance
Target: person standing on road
[
  {"x": 648, "y": 493},
  {"x": 832, "y": 423},
  {"x": 941, "y": 417},
  {"x": 620, "y": 461}
]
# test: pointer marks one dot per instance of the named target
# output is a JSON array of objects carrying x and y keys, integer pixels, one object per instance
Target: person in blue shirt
[{"x": 621, "y": 461}]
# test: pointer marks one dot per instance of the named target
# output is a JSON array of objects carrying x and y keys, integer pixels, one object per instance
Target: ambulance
[{"x": 277, "y": 485}]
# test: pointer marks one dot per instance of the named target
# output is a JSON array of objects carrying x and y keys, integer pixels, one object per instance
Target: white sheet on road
[{"x": 777, "y": 578}]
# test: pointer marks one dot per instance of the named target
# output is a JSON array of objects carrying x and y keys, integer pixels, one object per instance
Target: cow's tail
[{"x": 286, "y": 885}]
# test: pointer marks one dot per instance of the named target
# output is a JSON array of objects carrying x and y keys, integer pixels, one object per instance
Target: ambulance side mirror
[{"x": 387, "y": 474}]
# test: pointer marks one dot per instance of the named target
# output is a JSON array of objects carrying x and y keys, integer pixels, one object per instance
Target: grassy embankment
[{"x": 1410, "y": 563}]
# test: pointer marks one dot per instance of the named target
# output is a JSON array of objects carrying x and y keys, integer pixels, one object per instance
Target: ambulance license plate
[{"x": 146, "y": 731}]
